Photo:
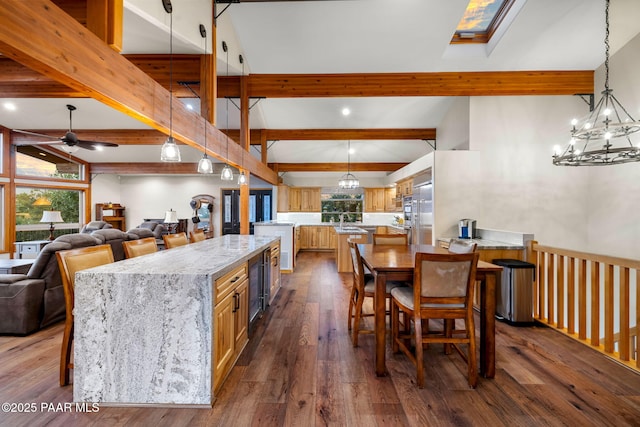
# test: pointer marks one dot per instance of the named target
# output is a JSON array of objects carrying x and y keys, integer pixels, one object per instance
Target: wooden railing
[{"x": 592, "y": 298}]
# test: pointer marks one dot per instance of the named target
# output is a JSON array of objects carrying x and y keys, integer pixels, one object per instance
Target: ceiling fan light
[
  {"x": 227, "y": 174},
  {"x": 205, "y": 166},
  {"x": 69, "y": 149},
  {"x": 170, "y": 151}
]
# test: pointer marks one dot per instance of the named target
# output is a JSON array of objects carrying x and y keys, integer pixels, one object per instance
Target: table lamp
[
  {"x": 51, "y": 217},
  {"x": 171, "y": 217}
]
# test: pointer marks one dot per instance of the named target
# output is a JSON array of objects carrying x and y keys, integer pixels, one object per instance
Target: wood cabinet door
[
  {"x": 305, "y": 237},
  {"x": 390, "y": 200},
  {"x": 241, "y": 316},
  {"x": 314, "y": 200},
  {"x": 283, "y": 198},
  {"x": 224, "y": 338},
  {"x": 368, "y": 199},
  {"x": 310, "y": 199},
  {"x": 294, "y": 200},
  {"x": 324, "y": 238}
]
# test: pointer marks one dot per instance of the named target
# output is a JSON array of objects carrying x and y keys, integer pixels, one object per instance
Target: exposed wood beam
[
  {"x": 104, "y": 19},
  {"x": 336, "y": 167},
  {"x": 155, "y": 137},
  {"x": 344, "y": 134},
  {"x": 18, "y": 81},
  {"x": 44, "y": 38},
  {"x": 489, "y": 83},
  {"x": 144, "y": 168}
]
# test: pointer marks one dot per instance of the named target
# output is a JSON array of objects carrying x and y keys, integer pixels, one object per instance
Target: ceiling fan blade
[
  {"x": 24, "y": 143},
  {"x": 94, "y": 145},
  {"x": 40, "y": 135}
]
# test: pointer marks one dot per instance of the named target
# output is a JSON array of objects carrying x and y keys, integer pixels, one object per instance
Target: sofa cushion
[
  {"x": 11, "y": 278},
  {"x": 20, "y": 306},
  {"x": 141, "y": 233}
]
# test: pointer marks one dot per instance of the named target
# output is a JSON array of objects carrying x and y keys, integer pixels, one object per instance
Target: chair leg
[
  {"x": 471, "y": 357},
  {"x": 357, "y": 318},
  {"x": 65, "y": 355},
  {"x": 419, "y": 353},
  {"x": 350, "y": 319},
  {"x": 449, "y": 326},
  {"x": 395, "y": 327}
]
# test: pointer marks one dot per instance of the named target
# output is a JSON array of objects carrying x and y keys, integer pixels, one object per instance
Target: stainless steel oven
[{"x": 406, "y": 209}]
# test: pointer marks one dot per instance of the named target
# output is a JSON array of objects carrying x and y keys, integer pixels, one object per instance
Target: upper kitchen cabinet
[
  {"x": 283, "y": 198},
  {"x": 379, "y": 200},
  {"x": 404, "y": 188},
  {"x": 303, "y": 199}
]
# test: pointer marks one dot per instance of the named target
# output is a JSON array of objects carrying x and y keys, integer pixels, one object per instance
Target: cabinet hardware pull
[
  {"x": 237, "y": 307},
  {"x": 276, "y": 263},
  {"x": 235, "y": 279},
  {"x": 235, "y": 302}
]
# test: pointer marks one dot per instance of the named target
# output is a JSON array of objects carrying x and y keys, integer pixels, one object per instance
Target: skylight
[{"x": 480, "y": 20}]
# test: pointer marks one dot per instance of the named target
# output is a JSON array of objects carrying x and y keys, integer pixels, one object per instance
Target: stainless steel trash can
[{"x": 514, "y": 299}]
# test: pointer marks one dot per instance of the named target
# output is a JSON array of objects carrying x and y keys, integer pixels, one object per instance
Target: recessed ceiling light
[
  {"x": 346, "y": 111},
  {"x": 352, "y": 151},
  {"x": 189, "y": 107},
  {"x": 42, "y": 154},
  {"x": 10, "y": 106}
]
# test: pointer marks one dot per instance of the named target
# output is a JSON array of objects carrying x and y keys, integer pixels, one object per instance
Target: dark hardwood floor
[{"x": 300, "y": 369}]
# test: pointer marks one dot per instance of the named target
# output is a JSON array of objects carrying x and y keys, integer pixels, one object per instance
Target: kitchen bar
[{"x": 146, "y": 328}]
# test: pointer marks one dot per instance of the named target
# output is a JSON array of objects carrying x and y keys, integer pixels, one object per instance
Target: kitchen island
[{"x": 163, "y": 329}]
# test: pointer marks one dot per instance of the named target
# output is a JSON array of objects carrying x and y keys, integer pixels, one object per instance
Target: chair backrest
[
  {"x": 358, "y": 268},
  {"x": 74, "y": 260},
  {"x": 196, "y": 236},
  {"x": 175, "y": 240},
  {"x": 390, "y": 239},
  {"x": 445, "y": 279},
  {"x": 134, "y": 248},
  {"x": 459, "y": 246}
]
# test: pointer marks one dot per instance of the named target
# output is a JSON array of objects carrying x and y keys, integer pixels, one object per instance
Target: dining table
[{"x": 397, "y": 262}]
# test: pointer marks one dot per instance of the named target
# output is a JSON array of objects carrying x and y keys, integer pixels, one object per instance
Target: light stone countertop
[
  {"x": 487, "y": 244},
  {"x": 144, "y": 326}
]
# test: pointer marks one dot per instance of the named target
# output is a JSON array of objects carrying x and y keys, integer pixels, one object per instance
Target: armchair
[{"x": 149, "y": 229}]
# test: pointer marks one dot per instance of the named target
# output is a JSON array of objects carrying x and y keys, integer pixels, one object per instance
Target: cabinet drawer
[
  {"x": 228, "y": 282},
  {"x": 30, "y": 249}
]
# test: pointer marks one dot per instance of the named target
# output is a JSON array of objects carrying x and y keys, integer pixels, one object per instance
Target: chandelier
[
  {"x": 348, "y": 181},
  {"x": 608, "y": 135}
]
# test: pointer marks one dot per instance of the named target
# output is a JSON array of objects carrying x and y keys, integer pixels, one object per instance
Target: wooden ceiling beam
[
  {"x": 489, "y": 83},
  {"x": 19, "y": 81},
  {"x": 155, "y": 137},
  {"x": 150, "y": 168},
  {"x": 336, "y": 167},
  {"x": 44, "y": 38}
]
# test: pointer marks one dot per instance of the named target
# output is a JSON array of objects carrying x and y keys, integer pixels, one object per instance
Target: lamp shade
[
  {"x": 42, "y": 201},
  {"x": 171, "y": 217},
  {"x": 51, "y": 217}
]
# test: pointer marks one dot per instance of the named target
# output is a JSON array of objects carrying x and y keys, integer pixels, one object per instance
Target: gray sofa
[
  {"x": 149, "y": 229},
  {"x": 32, "y": 301}
]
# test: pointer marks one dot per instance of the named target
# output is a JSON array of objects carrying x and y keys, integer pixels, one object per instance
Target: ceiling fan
[{"x": 70, "y": 139}]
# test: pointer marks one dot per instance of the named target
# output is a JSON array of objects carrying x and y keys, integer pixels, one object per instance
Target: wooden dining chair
[
  {"x": 175, "y": 240},
  {"x": 138, "y": 247},
  {"x": 70, "y": 262},
  {"x": 442, "y": 289},
  {"x": 196, "y": 236},
  {"x": 390, "y": 239},
  {"x": 363, "y": 287}
]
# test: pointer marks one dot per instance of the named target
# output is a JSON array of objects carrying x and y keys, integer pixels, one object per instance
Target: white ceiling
[{"x": 347, "y": 36}]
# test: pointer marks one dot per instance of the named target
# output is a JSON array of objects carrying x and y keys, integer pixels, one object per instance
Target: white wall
[
  {"x": 151, "y": 196},
  {"x": 453, "y": 132}
]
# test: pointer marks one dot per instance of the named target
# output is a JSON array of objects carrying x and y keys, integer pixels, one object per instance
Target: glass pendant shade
[
  {"x": 348, "y": 181},
  {"x": 204, "y": 165},
  {"x": 242, "y": 179},
  {"x": 227, "y": 174},
  {"x": 170, "y": 151}
]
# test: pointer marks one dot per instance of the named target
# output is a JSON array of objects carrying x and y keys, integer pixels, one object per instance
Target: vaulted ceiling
[{"x": 389, "y": 62}]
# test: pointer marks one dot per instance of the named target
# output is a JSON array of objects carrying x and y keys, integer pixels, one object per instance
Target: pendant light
[
  {"x": 170, "y": 151},
  {"x": 204, "y": 165},
  {"x": 242, "y": 178},
  {"x": 608, "y": 135},
  {"x": 348, "y": 181},
  {"x": 227, "y": 173}
]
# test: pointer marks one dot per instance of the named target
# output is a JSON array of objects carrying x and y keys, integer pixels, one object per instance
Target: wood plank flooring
[{"x": 300, "y": 369}]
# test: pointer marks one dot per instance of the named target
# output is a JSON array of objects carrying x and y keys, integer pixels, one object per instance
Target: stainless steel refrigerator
[{"x": 422, "y": 211}]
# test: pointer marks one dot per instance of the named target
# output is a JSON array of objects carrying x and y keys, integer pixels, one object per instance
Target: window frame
[{"x": 483, "y": 37}]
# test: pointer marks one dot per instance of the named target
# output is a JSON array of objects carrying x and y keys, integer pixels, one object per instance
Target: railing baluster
[
  {"x": 550, "y": 290},
  {"x": 609, "y": 308},
  {"x": 571, "y": 296},
  {"x": 582, "y": 299},
  {"x": 623, "y": 344},
  {"x": 560, "y": 291},
  {"x": 595, "y": 303},
  {"x": 543, "y": 285}
]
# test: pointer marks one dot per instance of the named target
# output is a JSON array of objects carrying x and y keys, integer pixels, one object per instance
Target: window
[
  {"x": 480, "y": 20},
  {"x": 31, "y": 202},
  {"x": 33, "y": 161},
  {"x": 335, "y": 204}
]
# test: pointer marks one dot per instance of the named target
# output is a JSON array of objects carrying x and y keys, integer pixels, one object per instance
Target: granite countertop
[
  {"x": 289, "y": 223},
  {"x": 486, "y": 244},
  {"x": 350, "y": 229}
]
